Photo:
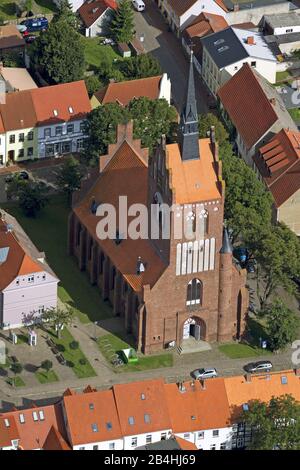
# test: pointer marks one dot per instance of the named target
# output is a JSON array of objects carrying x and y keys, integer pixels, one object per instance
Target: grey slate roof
[
  {"x": 247, "y": 4},
  {"x": 283, "y": 20},
  {"x": 224, "y": 48}
]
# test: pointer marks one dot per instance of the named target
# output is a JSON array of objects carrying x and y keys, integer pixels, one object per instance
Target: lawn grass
[
  {"x": 73, "y": 355},
  {"x": 283, "y": 77},
  {"x": 111, "y": 344},
  {"x": 8, "y": 10},
  {"x": 45, "y": 377},
  {"x": 95, "y": 53},
  {"x": 295, "y": 113},
  {"x": 15, "y": 382},
  {"x": 240, "y": 350},
  {"x": 48, "y": 232}
]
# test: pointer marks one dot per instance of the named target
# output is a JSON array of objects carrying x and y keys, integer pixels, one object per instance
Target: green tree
[
  {"x": 275, "y": 425},
  {"x": 206, "y": 121},
  {"x": 248, "y": 204},
  {"x": 16, "y": 368},
  {"x": 282, "y": 324},
  {"x": 58, "y": 318},
  {"x": 32, "y": 196},
  {"x": 92, "y": 84},
  {"x": 277, "y": 250},
  {"x": 65, "y": 13},
  {"x": 101, "y": 127},
  {"x": 69, "y": 177},
  {"x": 59, "y": 53},
  {"x": 47, "y": 365},
  {"x": 122, "y": 24},
  {"x": 142, "y": 66},
  {"x": 151, "y": 119}
]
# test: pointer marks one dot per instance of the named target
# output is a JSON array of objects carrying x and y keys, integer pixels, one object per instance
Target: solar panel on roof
[{"x": 3, "y": 254}]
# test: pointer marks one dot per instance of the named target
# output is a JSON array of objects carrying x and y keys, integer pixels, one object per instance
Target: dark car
[
  {"x": 36, "y": 24},
  {"x": 260, "y": 366},
  {"x": 29, "y": 39},
  {"x": 250, "y": 266}
]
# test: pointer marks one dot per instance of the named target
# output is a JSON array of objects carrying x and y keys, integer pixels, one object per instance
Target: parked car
[
  {"x": 250, "y": 266},
  {"x": 138, "y": 5},
  {"x": 22, "y": 175},
  {"x": 36, "y": 24},
  {"x": 260, "y": 366},
  {"x": 108, "y": 42},
  {"x": 22, "y": 28},
  {"x": 200, "y": 374},
  {"x": 29, "y": 39},
  {"x": 241, "y": 254}
]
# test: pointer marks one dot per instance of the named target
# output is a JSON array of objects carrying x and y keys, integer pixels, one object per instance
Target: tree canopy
[
  {"x": 69, "y": 177},
  {"x": 32, "y": 196},
  {"x": 275, "y": 425},
  {"x": 142, "y": 66},
  {"x": 59, "y": 53},
  {"x": 151, "y": 118},
  {"x": 206, "y": 121},
  {"x": 58, "y": 317},
  {"x": 282, "y": 324},
  {"x": 122, "y": 24}
]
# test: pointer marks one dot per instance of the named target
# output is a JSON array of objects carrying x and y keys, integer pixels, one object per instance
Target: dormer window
[
  {"x": 31, "y": 279},
  {"x": 71, "y": 110},
  {"x": 55, "y": 112}
]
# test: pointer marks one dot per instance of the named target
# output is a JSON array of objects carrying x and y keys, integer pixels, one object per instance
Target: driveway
[{"x": 169, "y": 52}]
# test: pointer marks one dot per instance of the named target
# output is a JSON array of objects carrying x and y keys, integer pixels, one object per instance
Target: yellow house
[
  {"x": 19, "y": 121},
  {"x": 278, "y": 165}
]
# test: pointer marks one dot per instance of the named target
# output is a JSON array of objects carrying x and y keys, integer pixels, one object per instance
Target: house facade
[
  {"x": 96, "y": 16},
  {"x": 28, "y": 285},
  {"x": 225, "y": 52},
  {"x": 44, "y": 122},
  {"x": 253, "y": 110},
  {"x": 202, "y": 292}
]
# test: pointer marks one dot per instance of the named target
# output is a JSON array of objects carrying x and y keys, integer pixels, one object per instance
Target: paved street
[{"x": 168, "y": 50}]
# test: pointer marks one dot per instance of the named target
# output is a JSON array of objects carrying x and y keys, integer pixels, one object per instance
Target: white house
[
  {"x": 27, "y": 284},
  {"x": 96, "y": 16},
  {"x": 60, "y": 118},
  {"x": 180, "y": 14},
  {"x": 225, "y": 52}
]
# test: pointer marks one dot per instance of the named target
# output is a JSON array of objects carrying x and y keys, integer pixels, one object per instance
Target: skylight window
[
  {"x": 35, "y": 416},
  {"x": 71, "y": 110},
  {"x": 3, "y": 254},
  {"x": 284, "y": 380},
  {"x": 245, "y": 407},
  {"x": 109, "y": 426},
  {"x": 41, "y": 415},
  {"x": 21, "y": 418},
  {"x": 95, "y": 427},
  {"x": 6, "y": 422},
  {"x": 147, "y": 418},
  {"x": 55, "y": 112},
  {"x": 143, "y": 397},
  {"x": 91, "y": 406},
  {"x": 222, "y": 49},
  {"x": 218, "y": 42},
  {"x": 131, "y": 420}
]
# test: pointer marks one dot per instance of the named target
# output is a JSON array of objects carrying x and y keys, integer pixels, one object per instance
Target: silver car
[{"x": 200, "y": 374}]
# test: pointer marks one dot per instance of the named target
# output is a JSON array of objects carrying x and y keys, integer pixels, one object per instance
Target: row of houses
[
  {"x": 141, "y": 414},
  {"x": 43, "y": 122}
]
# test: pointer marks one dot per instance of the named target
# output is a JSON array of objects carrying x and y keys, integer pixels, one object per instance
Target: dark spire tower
[{"x": 188, "y": 129}]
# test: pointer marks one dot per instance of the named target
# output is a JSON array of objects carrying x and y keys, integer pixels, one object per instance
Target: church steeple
[{"x": 188, "y": 130}]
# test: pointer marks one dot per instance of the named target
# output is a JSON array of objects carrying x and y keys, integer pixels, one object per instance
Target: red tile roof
[
  {"x": 55, "y": 441},
  {"x": 126, "y": 174},
  {"x": 206, "y": 23},
  {"x": 247, "y": 105},
  {"x": 185, "y": 445},
  {"x": 279, "y": 165},
  {"x": 18, "y": 261},
  {"x": 33, "y": 434},
  {"x": 10, "y": 37},
  {"x": 90, "y": 11},
  {"x": 8, "y": 433},
  {"x": 124, "y": 92},
  {"x": 142, "y": 407},
  {"x": 88, "y": 409},
  {"x": 195, "y": 408},
  {"x": 180, "y": 7},
  {"x": 18, "y": 111},
  {"x": 58, "y": 103}
]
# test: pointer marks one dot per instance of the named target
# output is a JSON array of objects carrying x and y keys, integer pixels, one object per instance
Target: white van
[{"x": 139, "y": 5}]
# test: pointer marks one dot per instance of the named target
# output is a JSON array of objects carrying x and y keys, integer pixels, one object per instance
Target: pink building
[{"x": 27, "y": 284}]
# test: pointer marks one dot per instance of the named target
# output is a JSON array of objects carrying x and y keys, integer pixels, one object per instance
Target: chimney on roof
[
  {"x": 248, "y": 377},
  {"x": 140, "y": 267},
  {"x": 250, "y": 40}
]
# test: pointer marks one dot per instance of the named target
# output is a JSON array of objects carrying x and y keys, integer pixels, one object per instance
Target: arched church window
[
  {"x": 194, "y": 292},
  {"x": 203, "y": 223},
  {"x": 190, "y": 228},
  {"x": 157, "y": 199}
]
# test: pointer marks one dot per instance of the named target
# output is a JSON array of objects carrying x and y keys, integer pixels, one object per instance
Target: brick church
[{"x": 165, "y": 290}]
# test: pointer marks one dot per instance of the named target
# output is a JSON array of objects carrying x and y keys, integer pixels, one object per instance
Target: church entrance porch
[{"x": 193, "y": 336}]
